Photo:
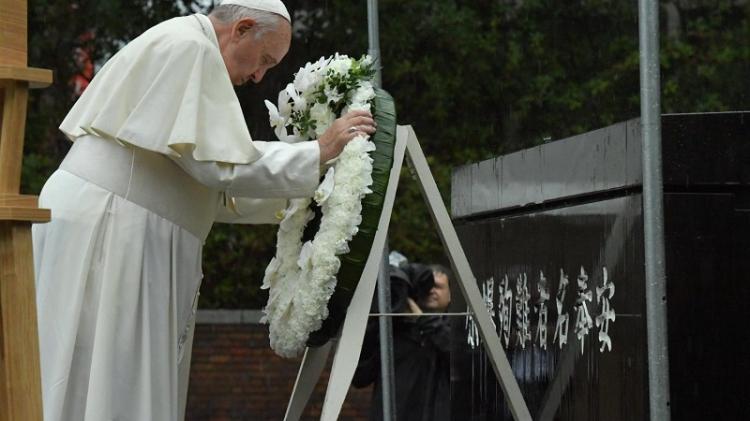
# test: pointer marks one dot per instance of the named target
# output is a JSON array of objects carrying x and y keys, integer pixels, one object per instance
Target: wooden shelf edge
[
  {"x": 37, "y": 78},
  {"x": 19, "y": 200},
  {"x": 24, "y": 214}
]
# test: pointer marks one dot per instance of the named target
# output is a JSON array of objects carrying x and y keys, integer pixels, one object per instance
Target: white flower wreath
[{"x": 302, "y": 277}]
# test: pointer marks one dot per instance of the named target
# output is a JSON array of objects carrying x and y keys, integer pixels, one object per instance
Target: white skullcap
[{"x": 273, "y": 6}]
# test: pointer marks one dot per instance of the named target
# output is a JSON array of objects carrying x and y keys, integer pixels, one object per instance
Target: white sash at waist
[{"x": 147, "y": 179}]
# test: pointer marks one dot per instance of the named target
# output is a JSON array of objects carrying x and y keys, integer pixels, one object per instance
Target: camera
[{"x": 412, "y": 280}]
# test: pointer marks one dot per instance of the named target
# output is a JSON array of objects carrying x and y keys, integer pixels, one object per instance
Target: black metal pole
[{"x": 384, "y": 285}]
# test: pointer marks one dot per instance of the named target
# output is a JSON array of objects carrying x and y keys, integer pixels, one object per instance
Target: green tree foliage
[{"x": 476, "y": 79}]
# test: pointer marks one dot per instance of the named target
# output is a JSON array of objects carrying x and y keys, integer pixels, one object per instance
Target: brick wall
[{"x": 236, "y": 376}]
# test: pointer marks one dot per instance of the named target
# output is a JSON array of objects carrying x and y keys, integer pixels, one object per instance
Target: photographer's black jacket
[{"x": 421, "y": 348}]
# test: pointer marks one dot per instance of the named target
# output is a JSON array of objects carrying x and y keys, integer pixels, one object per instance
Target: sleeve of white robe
[
  {"x": 262, "y": 187},
  {"x": 283, "y": 171}
]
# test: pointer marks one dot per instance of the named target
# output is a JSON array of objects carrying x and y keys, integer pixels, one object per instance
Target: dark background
[{"x": 476, "y": 79}]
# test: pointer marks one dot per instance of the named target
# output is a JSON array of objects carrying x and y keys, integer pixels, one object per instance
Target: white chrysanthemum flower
[
  {"x": 357, "y": 107},
  {"x": 340, "y": 65},
  {"x": 361, "y": 98},
  {"x": 323, "y": 117},
  {"x": 363, "y": 94}
]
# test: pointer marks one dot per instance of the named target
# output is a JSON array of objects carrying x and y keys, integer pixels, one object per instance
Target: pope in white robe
[{"x": 160, "y": 142}]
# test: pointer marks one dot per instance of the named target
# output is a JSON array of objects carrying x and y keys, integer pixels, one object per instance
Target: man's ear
[{"x": 242, "y": 26}]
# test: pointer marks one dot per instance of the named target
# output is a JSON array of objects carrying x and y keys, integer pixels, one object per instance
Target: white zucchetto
[{"x": 273, "y": 6}]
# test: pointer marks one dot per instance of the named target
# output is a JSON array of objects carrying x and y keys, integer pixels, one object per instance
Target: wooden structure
[{"x": 20, "y": 380}]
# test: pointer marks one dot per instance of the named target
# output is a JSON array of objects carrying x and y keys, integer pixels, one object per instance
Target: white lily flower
[
  {"x": 277, "y": 121},
  {"x": 273, "y": 115},
  {"x": 285, "y": 108},
  {"x": 285, "y": 137},
  {"x": 325, "y": 188},
  {"x": 299, "y": 101},
  {"x": 302, "y": 77},
  {"x": 308, "y": 77},
  {"x": 332, "y": 93},
  {"x": 321, "y": 62}
]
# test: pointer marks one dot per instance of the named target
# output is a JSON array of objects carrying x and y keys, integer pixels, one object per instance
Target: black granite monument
[{"x": 570, "y": 211}]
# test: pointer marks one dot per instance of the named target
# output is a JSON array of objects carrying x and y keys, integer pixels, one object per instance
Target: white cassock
[{"x": 159, "y": 141}]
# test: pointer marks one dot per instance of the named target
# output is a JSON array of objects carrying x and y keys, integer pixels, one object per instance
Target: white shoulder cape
[{"x": 167, "y": 91}]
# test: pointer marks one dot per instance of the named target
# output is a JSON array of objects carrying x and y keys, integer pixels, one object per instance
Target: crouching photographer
[{"x": 421, "y": 345}]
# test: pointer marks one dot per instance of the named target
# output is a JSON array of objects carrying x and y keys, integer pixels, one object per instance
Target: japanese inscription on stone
[{"x": 516, "y": 296}]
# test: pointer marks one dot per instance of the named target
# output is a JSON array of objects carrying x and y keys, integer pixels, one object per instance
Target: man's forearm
[{"x": 283, "y": 171}]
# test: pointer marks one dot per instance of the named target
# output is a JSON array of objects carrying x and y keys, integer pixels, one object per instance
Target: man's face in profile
[
  {"x": 440, "y": 295},
  {"x": 248, "y": 57}
]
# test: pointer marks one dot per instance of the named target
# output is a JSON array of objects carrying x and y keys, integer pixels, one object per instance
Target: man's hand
[
  {"x": 414, "y": 307},
  {"x": 342, "y": 131}
]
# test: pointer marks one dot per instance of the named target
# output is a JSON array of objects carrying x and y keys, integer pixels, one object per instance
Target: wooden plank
[
  {"x": 11, "y": 137},
  {"x": 13, "y": 33},
  {"x": 19, "y": 201},
  {"x": 20, "y": 375},
  {"x": 36, "y": 77},
  {"x": 14, "y": 207},
  {"x": 24, "y": 214},
  {"x": 3, "y": 85},
  {"x": 20, "y": 388}
]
